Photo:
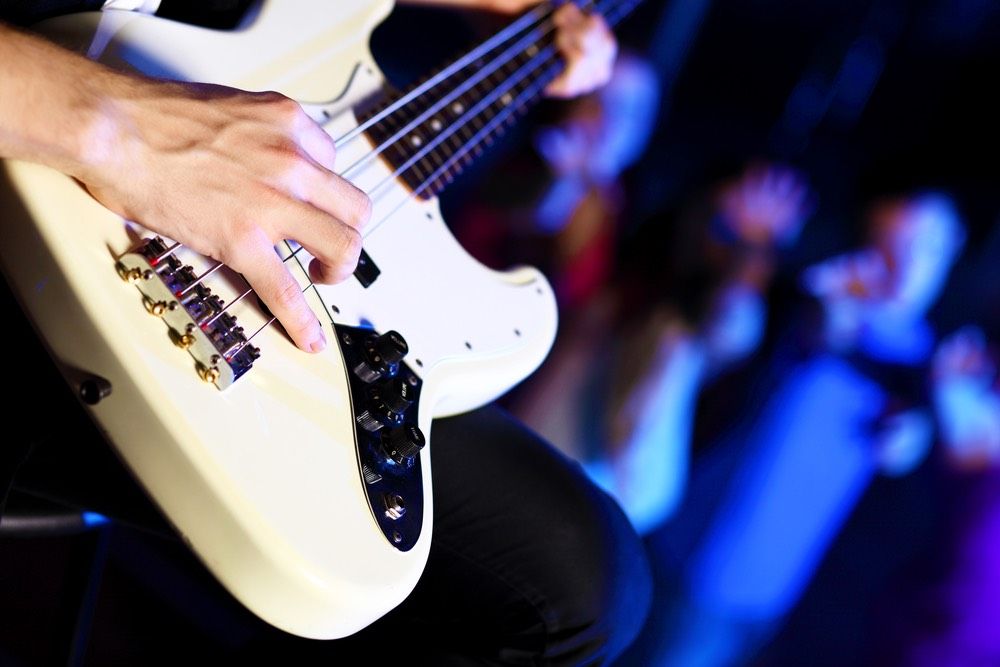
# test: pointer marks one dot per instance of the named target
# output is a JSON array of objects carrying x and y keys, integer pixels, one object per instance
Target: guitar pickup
[{"x": 196, "y": 318}]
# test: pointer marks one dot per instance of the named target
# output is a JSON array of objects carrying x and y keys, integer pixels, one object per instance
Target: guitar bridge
[{"x": 196, "y": 318}]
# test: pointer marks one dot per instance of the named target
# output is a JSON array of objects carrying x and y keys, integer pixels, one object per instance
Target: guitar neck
[{"x": 433, "y": 131}]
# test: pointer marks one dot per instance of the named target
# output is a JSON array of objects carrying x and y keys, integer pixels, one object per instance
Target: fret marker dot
[
  {"x": 415, "y": 140},
  {"x": 532, "y": 49},
  {"x": 507, "y": 99},
  {"x": 436, "y": 125},
  {"x": 457, "y": 107}
]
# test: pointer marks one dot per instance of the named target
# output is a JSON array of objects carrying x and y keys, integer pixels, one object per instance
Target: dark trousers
[{"x": 530, "y": 564}]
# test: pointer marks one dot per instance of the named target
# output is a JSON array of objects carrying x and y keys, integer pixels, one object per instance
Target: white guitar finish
[{"x": 262, "y": 479}]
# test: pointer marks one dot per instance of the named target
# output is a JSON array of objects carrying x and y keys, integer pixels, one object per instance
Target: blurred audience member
[
  {"x": 568, "y": 227},
  {"x": 620, "y": 390},
  {"x": 845, "y": 400},
  {"x": 967, "y": 400},
  {"x": 946, "y": 616}
]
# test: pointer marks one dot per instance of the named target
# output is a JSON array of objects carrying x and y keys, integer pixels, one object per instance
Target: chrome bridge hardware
[{"x": 195, "y": 317}]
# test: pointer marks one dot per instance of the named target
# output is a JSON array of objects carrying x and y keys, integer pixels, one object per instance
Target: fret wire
[
  {"x": 506, "y": 56},
  {"x": 548, "y": 51},
  {"x": 412, "y": 166},
  {"x": 535, "y": 90},
  {"x": 621, "y": 9},
  {"x": 460, "y": 64},
  {"x": 505, "y": 114},
  {"x": 475, "y": 142}
]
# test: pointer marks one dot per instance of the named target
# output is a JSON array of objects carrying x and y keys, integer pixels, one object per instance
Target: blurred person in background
[
  {"x": 620, "y": 391},
  {"x": 845, "y": 399},
  {"x": 947, "y": 616},
  {"x": 561, "y": 204}
]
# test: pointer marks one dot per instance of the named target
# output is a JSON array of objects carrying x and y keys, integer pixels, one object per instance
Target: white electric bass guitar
[{"x": 301, "y": 481}]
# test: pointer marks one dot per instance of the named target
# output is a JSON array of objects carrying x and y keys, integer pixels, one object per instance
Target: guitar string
[
  {"x": 460, "y": 64},
  {"x": 613, "y": 15},
  {"x": 476, "y": 140},
  {"x": 511, "y": 53},
  {"x": 503, "y": 59},
  {"x": 463, "y": 122},
  {"x": 542, "y": 59},
  {"x": 499, "y": 61}
]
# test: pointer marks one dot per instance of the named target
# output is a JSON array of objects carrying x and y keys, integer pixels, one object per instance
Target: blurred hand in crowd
[
  {"x": 847, "y": 285},
  {"x": 902, "y": 441},
  {"x": 765, "y": 206},
  {"x": 886, "y": 287},
  {"x": 967, "y": 400}
]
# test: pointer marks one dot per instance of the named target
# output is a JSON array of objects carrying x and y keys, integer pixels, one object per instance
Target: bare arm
[{"x": 226, "y": 172}]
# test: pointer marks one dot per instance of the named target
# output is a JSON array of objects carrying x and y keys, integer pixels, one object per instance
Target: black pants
[{"x": 530, "y": 564}]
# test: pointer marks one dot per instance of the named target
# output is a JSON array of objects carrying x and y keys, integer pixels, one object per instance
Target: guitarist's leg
[
  {"x": 530, "y": 563},
  {"x": 528, "y": 557}
]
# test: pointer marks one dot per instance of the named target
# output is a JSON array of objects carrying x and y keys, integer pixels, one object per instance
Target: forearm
[
  {"x": 227, "y": 173},
  {"x": 51, "y": 101}
]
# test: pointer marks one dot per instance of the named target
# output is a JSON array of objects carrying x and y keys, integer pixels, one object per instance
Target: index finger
[{"x": 267, "y": 274}]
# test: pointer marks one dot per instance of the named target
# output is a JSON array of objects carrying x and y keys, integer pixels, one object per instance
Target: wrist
[
  {"x": 106, "y": 121},
  {"x": 56, "y": 105}
]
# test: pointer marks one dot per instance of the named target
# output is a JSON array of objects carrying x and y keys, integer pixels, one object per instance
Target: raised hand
[{"x": 766, "y": 205}]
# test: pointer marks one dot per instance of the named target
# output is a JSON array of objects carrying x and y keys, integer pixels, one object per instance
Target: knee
[
  {"x": 570, "y": 569},
  {"x": 601, "y": 581}
]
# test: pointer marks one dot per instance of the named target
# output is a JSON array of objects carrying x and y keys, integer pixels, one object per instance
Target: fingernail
[{"x": 318, "y": 343}]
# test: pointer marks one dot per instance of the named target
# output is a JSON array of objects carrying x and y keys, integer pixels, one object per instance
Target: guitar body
[{"x": 262, "y": 478}]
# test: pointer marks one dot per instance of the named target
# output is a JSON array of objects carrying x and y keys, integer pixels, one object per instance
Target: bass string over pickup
[{"x": 196, "y": 318}]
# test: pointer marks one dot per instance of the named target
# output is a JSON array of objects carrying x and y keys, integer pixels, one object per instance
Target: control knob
[
  {"x": 387, "y": 402},
  {"x": 402, "y": 443},
  {"x": 382, "y": 355}
]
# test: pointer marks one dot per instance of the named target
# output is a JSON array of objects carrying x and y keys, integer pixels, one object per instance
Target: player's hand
[
  {"x": 230, "y": 174},
  {"x": 589, "y": 48}
]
